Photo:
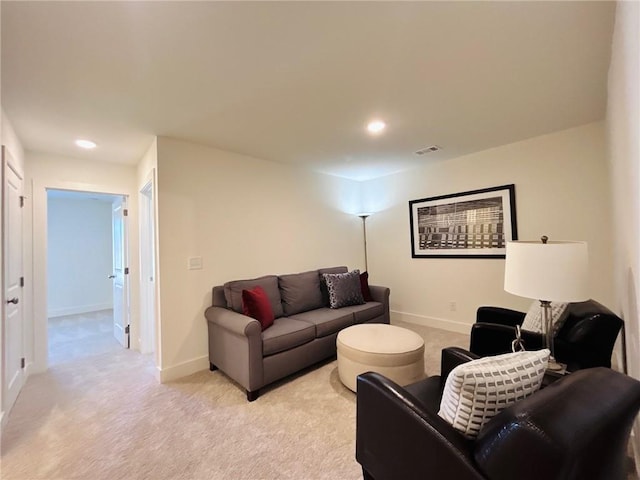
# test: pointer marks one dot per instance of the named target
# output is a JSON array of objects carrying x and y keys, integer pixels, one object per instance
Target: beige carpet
[
  {"x": 103, "y": 416},
  {"x": 78, "y": 336}
]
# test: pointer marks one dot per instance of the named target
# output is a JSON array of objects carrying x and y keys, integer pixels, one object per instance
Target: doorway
[{"x": 87, "y": 294}]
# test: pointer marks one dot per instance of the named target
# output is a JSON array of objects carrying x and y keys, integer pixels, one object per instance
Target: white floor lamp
[
  {"x": 364, "y": 216},
  {"x": 549, "y": 272}
]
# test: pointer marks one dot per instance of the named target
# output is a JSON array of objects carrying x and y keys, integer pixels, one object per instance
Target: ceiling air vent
[{"x": 432, "y": 148}]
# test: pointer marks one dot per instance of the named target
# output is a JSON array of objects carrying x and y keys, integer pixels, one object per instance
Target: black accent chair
[
  {"x": 585, "y": 340},
  {"x": 575, "y": 429}
]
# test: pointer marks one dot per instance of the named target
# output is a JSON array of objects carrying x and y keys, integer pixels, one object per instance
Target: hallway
[{"x": 76, "y": 337}]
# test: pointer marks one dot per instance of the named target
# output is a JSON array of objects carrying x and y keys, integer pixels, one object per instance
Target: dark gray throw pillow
[{"x": 344, "y": 289}]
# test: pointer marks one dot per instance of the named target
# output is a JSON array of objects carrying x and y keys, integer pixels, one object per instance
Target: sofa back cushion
[
  {"x": 300, "y": 292},
  {"x": 269, "y": 283}
]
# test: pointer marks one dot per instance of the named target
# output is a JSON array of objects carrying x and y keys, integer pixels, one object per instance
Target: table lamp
[{"x": 549, "y": 272}]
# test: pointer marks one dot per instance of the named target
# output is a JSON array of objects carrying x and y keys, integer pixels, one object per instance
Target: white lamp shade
[{"x": 555, "y": 271}]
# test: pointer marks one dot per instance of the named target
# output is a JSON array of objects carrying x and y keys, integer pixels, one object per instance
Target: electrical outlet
[{"x": 452, "y": 306}]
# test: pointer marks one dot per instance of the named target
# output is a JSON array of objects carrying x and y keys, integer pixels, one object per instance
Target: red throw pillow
[
  {"x": 364, "y": 286},
  {"x": 255, "y": 304}
]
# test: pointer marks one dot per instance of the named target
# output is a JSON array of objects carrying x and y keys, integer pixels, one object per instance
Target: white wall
[
  {"x": 561, "y": 191},
  {"x": 245, "y": 217},
  {"x": 79, "y": 255},
  {"x": 623, "y": 128},
  {"x": 49, "y": 171}
]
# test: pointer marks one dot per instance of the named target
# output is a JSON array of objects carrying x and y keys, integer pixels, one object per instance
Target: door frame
[
  {"x": 39, "y": 278},
  {"x": 148, "y": 267}
]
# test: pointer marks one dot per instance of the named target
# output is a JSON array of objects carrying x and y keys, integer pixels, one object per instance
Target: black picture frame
[{"x": 473, "y": 224}]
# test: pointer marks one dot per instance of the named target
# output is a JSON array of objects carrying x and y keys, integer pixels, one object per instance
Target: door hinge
[
  {"x": 22, "y": 198},
  {"x": 22, "y": 363},
  {"x": 125, "y": 212},
  {"x": 22, "y": 281},
  {"x": 126, "y": 329},
  {"x": 126, "y": 270}
]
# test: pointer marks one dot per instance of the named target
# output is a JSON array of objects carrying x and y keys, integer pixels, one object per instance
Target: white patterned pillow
[
  {"x": 533, "y": 320},
  {"x": 478, "y": 390}
]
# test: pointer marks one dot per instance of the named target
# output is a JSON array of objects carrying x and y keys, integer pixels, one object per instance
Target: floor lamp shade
[{"x": 552, "y": 271}]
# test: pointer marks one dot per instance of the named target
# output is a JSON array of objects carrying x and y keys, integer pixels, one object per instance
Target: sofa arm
[
  {"x": 501, "y": 316},
  {"x": 235, "y": 346},
  {"x": 397, "y": 438},
  {"x": 232, "y": 321},
  {"x": 493, "y": 339},
  {"x": 381, "y": 294}
]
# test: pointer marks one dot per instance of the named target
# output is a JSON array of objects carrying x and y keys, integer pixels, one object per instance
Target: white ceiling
[{"x": 296, "y": 82}]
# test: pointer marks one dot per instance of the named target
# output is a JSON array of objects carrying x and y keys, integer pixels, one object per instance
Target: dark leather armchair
[
  {"x": 574, "y": 429},
  {"x": 585, "y": 340}
]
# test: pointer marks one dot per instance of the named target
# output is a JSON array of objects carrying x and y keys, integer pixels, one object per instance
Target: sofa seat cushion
[
  {"x": 285, "y": 334},
  {"x": 269, "y": 283},
  {"x": 326, "y": 321},
  {"x": 366, "y": 312},
  {"x": 300, "y": 292}
]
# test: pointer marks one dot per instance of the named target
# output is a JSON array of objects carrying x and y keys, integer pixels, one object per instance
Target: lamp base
[{"x": 554, "y": 366}]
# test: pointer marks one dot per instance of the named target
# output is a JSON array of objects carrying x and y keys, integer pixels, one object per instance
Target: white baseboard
[
  {"x": 28, "y": 370},
  {"x": 164, "y": 375},
  {"x": 441, "y": 323},
  {"x": 76, "y": 310}
]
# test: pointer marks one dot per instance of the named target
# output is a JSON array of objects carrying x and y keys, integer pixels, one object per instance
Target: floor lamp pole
[{"x": 364, "y": 216}]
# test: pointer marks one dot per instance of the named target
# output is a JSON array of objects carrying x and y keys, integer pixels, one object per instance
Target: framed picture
[{"x": 475, "y": 224}]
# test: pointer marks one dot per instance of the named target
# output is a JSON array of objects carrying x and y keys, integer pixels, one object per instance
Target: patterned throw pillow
[
  {"x": 533, "y": 320},
  {"x": 344, "y": 289},
  {"x": 478, "y": 390}
]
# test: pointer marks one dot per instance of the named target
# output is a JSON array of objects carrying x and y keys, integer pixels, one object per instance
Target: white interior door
[
  {"x": 13, "y": 375},
  {"x": 120, "y": 273}
]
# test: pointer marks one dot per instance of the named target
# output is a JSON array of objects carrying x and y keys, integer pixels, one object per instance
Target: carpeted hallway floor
[{"x": 98, "y": 413}]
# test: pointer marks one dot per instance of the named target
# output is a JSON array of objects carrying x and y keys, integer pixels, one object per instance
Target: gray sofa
[{"x": 304, "y": 331}]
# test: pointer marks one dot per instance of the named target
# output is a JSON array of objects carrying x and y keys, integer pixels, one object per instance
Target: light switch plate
[{"x": 194, "y": 263}]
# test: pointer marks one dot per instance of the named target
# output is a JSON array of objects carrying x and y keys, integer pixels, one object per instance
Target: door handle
[
  {"x": 14, "y": 300},
  {"x": 111, "y": 277}
]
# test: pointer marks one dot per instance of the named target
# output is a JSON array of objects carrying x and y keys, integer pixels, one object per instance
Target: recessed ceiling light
[
  {"x": 88, "y": 144},
  {"x": 376, "y": 126}
]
